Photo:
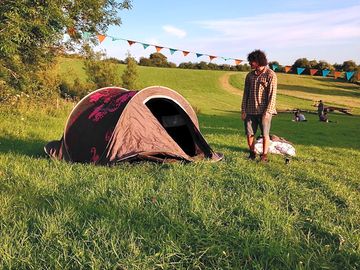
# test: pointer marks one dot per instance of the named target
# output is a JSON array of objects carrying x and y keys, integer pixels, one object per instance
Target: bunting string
[
  {"x": 324, "y": 72},
  {"x": 101, "y": 38},
  {"x": 347, "y": 75}
]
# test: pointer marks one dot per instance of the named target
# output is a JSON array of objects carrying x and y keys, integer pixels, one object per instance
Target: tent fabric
[{"x": 113, "y": 124}]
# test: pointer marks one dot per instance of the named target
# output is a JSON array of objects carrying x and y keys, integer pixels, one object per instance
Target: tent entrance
[{"x": 175, "y": 121}]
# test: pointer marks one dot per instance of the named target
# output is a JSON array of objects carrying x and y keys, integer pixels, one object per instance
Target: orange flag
[
  {"x": 313, "y": 71},
  {"x": 101, "y": 38},
  {"x": 131, "y": 42},
  {"x": 71, "y": 31},
  {"x": 358, "y": 76},
  {"x": 237, "y": 61},
  {"x": 158, "y": 48},
  {"x": 337, "y": 74},
  {"x": 287, "y": 68},
  {"x": 212, "y": 57},
  {"x": 185, "y": 53}
]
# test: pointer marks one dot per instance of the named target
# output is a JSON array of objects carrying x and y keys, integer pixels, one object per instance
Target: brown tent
[{"x": 113, "y": 124}]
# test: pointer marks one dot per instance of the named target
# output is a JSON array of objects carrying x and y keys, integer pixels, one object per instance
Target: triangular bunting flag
[
  {"x": 86, "y": 35},
  {"x": 212, "y": 57},
  {"x": 300, "y": 70},
  {"x": 337, "y": 74},
  {"x": 199, "y": 55},
  {"x": 158, "y": 48},
  {"x": 131, "y": 42},
  {"x": 237, "y": 61},
  {"x": 115, "y": 38},
  {"x": 172, "y": 51},
  {"x": 71, "y": 31},
  {"x": 325, "y": 72},
  {"x": 313, "y": 71},
  {"x": 185, "y": 53},
  {"x": 101, "y": 38},
  {"x": 226, "y": 58},
  {"x": 287, "y": 69},
  {"x": 274, "y": 67},
  {"x": 145, "y": 45},
  {"x": 349, "y": 74}
]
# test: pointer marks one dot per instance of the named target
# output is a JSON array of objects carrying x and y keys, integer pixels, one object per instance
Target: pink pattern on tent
[
  {"x": 108, "y": 135},
  {"x": 110, "y": 105},
  {"x": 94, "y": 156}
]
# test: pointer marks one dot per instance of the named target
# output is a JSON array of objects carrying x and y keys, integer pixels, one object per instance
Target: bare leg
[
  {"x": 251, "y": 142},
  {"x": 266, "y": 144}
]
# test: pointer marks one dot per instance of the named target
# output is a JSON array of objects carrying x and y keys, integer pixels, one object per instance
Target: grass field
[{"x": 229, "y": 215}]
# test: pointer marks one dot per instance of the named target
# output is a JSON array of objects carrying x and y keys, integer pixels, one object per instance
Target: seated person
[
  {"x": 324, "y": 117},
  {"x": 299, "y": 117}
]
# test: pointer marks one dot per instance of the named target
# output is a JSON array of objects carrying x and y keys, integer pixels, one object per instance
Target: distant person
[
  {"x": 258, "y": 102},
  {"x": 324, "y": 117},
  {"x": 320, "y": 109},
  {"x": 299, "y": 117}
]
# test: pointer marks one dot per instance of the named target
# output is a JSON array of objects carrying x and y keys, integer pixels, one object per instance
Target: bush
[
  {"x": 130, "y": 75},
  {"x": 76, "y": 90}
]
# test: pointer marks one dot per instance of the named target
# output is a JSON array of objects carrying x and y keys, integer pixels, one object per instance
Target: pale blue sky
[{"x": 286, "y": 30}]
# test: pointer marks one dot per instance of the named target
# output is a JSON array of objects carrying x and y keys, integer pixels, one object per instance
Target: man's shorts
[{"x": 253, "y": 121}]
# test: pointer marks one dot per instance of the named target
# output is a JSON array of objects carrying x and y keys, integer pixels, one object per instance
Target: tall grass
[{"x": 229, "y": 215}]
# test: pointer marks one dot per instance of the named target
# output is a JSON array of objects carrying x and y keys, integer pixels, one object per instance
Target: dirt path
[{"x": 224, "y": 83}]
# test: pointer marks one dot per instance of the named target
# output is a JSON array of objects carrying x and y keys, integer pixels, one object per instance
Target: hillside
[
  {"x": 234, "y": 214},
  {"x": 200, "y": 86}
]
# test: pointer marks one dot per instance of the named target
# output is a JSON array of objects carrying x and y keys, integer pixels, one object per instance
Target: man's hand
[{"x": 243, "y": 115}]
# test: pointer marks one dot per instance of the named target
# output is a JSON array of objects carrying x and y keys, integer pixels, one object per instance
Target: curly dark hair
[{"x": 258, "y": 56}]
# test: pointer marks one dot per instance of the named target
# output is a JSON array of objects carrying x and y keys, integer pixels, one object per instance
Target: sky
[{"x": 326, "y": 30}]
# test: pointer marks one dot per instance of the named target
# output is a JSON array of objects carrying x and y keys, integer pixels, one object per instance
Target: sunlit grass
[{"x": 233, "y": 214}]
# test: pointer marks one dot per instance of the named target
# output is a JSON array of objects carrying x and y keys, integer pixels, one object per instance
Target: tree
[
  {"x": 324, "y": 65},
  {"x": 301, "y": 62},
  {"x": 313, "y": 64},
  {"x": 338, "y": 67},
  {"x": 100, "y": 72},
  {"x": 158, "y": 60},
  {"x": 349, "y": 66},
  {"x": 130, "y": 75},
  {"x": 32, "y": 33}
]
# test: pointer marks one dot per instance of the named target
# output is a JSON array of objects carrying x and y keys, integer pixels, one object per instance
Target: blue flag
[
  {"x": 349, "y": 74},
  {"x": 300, "y": 70},
  {"x": 172, "y": 51},
  {"x": 199, "y": 55},
  {"x": 145, "y": 45},
  {"x": 275, "y": 67},
  {"x": 325, "y": 72},
  {"x": 86, "y": 35}
]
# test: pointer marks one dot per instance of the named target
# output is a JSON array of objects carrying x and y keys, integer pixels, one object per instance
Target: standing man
[
  {"x": 258, "y": 103},
  {"x": 320, "y": 109}
]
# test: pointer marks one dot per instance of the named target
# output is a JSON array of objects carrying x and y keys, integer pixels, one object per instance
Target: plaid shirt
[{"x": 260, "y": 93}]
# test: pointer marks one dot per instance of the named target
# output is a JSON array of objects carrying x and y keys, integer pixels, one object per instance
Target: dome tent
[{"x": 113, "y": 124}]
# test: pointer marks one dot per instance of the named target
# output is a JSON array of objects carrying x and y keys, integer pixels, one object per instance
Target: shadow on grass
[
  {"x": 337, "y": 91},
  {"x": 28, "y": 147}
]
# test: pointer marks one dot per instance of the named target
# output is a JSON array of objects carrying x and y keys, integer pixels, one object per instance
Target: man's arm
[
  {"x": 271, "y": 107},
  {"x": 245, "y": 97}
]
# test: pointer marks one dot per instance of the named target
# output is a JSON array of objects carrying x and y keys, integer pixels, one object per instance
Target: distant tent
[{"x": 113, "y": 124}]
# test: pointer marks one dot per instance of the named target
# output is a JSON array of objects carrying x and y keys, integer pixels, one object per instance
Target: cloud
[
  {"x": 292, "y": 28},
  {"x": 174, "y": 31}
]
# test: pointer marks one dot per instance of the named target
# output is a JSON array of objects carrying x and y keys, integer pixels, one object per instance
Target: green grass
[{"x": 229, "y": 215}]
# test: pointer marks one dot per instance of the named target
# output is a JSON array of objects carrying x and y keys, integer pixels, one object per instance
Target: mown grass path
[{"x": 226, "y": 85}]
